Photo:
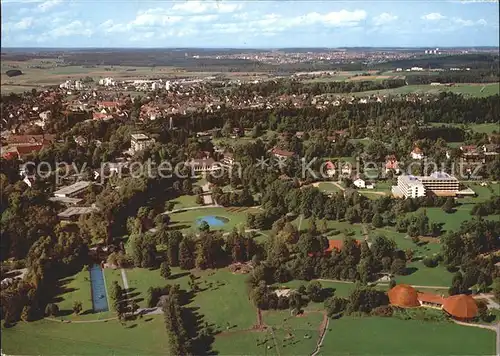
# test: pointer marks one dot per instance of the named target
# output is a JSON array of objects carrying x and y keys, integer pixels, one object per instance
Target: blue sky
[{"x": 230, "y": 23}]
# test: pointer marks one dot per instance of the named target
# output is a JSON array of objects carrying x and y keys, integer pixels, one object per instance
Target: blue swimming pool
[
  {"x": 98, "y": 287},
  {"x": 212, "y": 221}
]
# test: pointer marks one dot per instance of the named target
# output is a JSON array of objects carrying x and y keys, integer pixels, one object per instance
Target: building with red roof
[
  {"x": 404, "y": 296},
  {"x": 461, "y": 307},
  {"x": 282, "y": 153}
]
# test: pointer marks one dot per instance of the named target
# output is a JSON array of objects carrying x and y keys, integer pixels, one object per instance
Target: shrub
[
  {"x": 13, "y": 72},
  {"x": 430, "y": 262},
  {"x": 384, "y": 310}
]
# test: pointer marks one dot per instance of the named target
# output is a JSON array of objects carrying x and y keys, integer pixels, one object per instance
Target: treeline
[
  {"x": 489, "y": 207},
  {"x": 185, "y": 334},
  {"x": 50, "y": 258},
  {"x": 450, "y": 108},
  {"x": 289, "y": 87},
  {"x": 472, "y": 76}
]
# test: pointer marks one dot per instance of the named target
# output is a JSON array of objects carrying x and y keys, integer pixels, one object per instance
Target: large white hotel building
[{"x": 439, "y": 183}]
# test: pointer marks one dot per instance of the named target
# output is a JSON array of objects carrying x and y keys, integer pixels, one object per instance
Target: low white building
[
  {"x": 439, "y": 183},
  {"x": 72, "y": 190},
  {"x": 359, "y": 183}
]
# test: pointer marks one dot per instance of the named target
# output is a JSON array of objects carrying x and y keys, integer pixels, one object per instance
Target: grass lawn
[
  {"x": 328, "y": 188},
  {"x": 425, "y": 276},
  {"x": 485, "y": 128},
  {"x": 483, "y": 193},
  {"x": 343, "y": 228},
  {"x": 223, "y": 297},
  {"x": 185, "y": 201},
  {"x": 75, "y": 288},
  {"x": 145, "y": 336},
  {"x": 186, "y": 220},
  {"x": 391, "y": 336},
  {"x": 452, "y": 222},
  {"x": 305, "y": 331}
]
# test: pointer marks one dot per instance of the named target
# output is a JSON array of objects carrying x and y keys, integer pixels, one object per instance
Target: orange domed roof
[
  {"x": 404, "y": 296},
  {"x": 461, "y": 306}
]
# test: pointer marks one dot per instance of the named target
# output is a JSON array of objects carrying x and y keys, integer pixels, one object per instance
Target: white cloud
[
  {"x": 155, "y": 17},
  {"x": 204, "y": 18},
  {"x": 338, "y": 19},
  {"x": 199, "y": 7},
  {"x": 433, "y": 16},
  {"x": 384, "y": 18},
  {"x": 24, "y": 23},
  {"x": 482, "y": 22},
  {"x": 462, "y": 22},
  {"x": 49, "y": 4},
  {"x": 75, "y": 28}
]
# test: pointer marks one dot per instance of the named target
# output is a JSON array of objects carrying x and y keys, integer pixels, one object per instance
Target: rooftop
[
  {"x": 139, "y": 136},
  {"x": 73, "y": 188},
  {"x": 74, "y": 211}
]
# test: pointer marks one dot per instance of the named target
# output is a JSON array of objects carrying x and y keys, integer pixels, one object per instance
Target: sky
[{"x": 249, "y": 24}]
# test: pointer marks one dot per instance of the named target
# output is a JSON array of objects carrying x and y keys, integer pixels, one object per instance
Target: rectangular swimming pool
[{"x": 98, "y": 287}]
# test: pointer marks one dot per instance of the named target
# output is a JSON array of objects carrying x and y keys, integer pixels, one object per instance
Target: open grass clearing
[
  {"x": 186, "y": 220},
  {"x": 392, "y": 336},
  {"x": 145, "y": 336}
]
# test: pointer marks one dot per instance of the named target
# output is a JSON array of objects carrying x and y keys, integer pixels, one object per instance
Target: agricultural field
[
  {"x": 475, "y": 90},
  {"x": 51, "y": 72},
  {"x": 392, "y": 336}
]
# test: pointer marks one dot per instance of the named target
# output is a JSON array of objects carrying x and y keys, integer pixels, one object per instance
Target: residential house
[
  {"x": 391, "y": 164},
  {"x": 282, "y": 154},
  {"x": 417, "y": 153},
  {"x": 346, "y": 169},
  {"x": 359, "y": 183},
  {"x": 228, "y": 159},
  {"x": 101, "y": 116},
  {"x": 470, "y": 151},
  {"x": 490, "y": 149},
  {"x": 330, "y": 168}
]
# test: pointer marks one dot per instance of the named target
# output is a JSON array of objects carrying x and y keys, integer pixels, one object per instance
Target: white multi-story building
[
  {"x": 439, "y": 183},
  {"x": 106, "y": 82},
  {"x": 140, "y": 142},
  {"x": 78, "y": 85}
]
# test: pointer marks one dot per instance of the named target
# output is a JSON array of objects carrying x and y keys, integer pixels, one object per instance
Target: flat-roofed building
[
  {"x": 72, "y": 190},
  {"x": 75, "y": 212},
  {"x": 410, "y": 187},
  {"x": 439, "y": 183},
  {"x": 140, "y": 142}
]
